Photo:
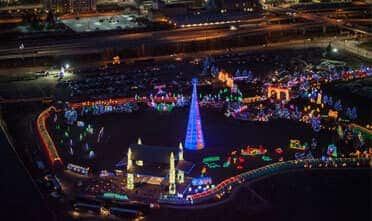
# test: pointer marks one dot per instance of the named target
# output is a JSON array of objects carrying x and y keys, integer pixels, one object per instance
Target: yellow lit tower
[
  {"x": 130, "y": 176},
  {"x": 172, "y": 175},
  {"x": 319, "y": 98},
  {"x": 180, "y": 173}
]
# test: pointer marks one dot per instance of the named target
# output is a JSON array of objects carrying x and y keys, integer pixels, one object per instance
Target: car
[{"x": 55, "y": 195}]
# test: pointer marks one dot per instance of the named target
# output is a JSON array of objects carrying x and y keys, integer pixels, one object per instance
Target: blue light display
[{"x": 194, "y": 135}]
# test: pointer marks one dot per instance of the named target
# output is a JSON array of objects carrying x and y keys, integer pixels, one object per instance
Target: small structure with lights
[
  {"x": 78, "y": 169},
  {"x": 253, "y": 151},
  {"x": 157, "y": 165},
  {"x": 296, "y": 144}
]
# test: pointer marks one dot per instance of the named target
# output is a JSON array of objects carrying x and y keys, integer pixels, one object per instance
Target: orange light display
[
  {"x": 224, "y": 77},
  {"x": 332, "y": 113},
  {"x": 278, "y": 91},
  {"x": 116, "y": 60},
  {"x": 248, "y": 100},
  {"x": 48, "y": 144}
]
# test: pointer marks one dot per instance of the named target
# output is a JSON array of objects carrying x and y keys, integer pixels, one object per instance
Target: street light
[
  {"x": 233, "y": 28},
  {"x": 67, "y": 66},
  {"x": 334, "y": 50}
]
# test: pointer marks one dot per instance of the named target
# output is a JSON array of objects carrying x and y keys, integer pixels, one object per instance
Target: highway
[
  {"x": 285, "y": 20},
  {"x": 335, "y": 22},
  {"x": 46, "y": 40},
  {"x": 75, "y": 46},
  {"x": 324, "y": 16}
]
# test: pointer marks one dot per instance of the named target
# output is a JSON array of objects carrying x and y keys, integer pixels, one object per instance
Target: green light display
[
  {"x": 115, "y": 196},
  {"x": 211, "y": 159}
]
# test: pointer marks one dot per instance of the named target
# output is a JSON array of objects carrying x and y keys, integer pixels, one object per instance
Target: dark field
[
  {"x": 18, "y": 189},
  {"x": 321, "y": 195},
  {"x": 356, "y": 93},
  {"x": 221, "y": 134}
]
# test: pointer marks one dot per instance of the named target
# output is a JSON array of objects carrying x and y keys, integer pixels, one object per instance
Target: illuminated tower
[
  {"x": 194, "y": 134},
  {"x": 172, "y": 175},
  {"x": 319, "y": 98},
  {"x": 180, "y": 173},
  {"x": 130, "y": 176},
  {"x": 129, "y": 160},
  {"x": 180, "y": 151}
]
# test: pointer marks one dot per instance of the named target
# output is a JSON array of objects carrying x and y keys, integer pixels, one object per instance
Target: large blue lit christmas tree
[{"x": 194, "y": 135}]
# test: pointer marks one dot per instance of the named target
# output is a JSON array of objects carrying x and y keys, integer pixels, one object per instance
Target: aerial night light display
[{"x": 185, "y": 110}]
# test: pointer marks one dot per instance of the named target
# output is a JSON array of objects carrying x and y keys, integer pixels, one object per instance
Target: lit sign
[
  {"x": 211, "y": 159},
  {"x": 115, "y": 196}
]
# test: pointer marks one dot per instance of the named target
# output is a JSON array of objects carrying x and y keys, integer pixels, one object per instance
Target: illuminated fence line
[
  {"x": 364, "y": 130},
  {"x": 47, "y": 142},
  {"x": 268, "y": 170},
  {"x": 248, "y": 100},
  {"x": 123, "y": 100},
  {"x": 32, "y": 99}
]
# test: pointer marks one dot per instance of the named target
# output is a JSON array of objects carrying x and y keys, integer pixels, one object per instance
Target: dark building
[
  {"x": 157, "y": 163},
  {"x": 83, "y": 5},
  {"x": 70, "y": 6},
  {"x": 241, "y": 5},
  {"x": 58, "y": 6}
]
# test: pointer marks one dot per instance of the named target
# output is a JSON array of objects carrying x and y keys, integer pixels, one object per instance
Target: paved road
[
  {"x": 75, "y": 46},
  {"x": 95, "y": 43},
  {"x": 325, "y": 19}
]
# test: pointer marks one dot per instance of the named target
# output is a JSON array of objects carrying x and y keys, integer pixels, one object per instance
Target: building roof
[
  {"x": 153, "y": 154},
  {"x": 185, "y": 166},
  {"x": 161, "y": 171},
  {"x": 149, "y": 171},
  {"x": 208, "y": 17}
]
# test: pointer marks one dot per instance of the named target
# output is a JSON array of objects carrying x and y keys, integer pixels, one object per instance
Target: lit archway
[{"x": 278, "y": 91}]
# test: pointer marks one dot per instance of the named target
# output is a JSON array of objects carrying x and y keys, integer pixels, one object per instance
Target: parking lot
[{"x": 103, "y": 23}]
